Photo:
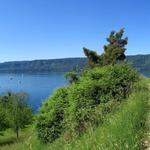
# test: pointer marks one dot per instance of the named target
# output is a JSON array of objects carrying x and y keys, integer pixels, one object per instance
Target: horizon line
[{"x": 38, "y": 59}]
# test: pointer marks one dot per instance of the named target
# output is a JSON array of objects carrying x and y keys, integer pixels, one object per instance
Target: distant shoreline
[{"x": 140, "y": 62}]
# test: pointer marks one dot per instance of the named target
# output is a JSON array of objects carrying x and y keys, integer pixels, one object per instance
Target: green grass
[{"x": 122, "y": 130}]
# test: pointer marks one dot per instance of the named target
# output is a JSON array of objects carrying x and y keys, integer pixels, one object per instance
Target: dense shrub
[
  {"x": 50, "y": 121},
  {"x": 98, "y": 90},
  {"x": 73, "y": 109},
  {"x": 122, "y": 130}
]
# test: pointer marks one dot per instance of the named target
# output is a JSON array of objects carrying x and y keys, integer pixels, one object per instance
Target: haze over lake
[{"x": 38, "y": 86}]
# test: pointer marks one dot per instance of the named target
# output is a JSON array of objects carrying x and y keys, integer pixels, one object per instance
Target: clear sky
[{"x": 41, "y": 29}]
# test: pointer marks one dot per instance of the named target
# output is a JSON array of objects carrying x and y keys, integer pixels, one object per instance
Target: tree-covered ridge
[
  {"x": 140, "y": 62},
  {"x": 49, "y": 65}
]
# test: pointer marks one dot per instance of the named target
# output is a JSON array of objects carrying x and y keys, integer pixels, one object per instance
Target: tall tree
[{"x": 114, "y": 50}]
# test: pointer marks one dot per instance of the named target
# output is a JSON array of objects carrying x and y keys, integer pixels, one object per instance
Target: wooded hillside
[{"x": 141, "y": 62}]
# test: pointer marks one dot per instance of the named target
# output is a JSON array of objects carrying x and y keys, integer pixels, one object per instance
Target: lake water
[
  {"x": 38, "y": 86},
  {"x": 146, "y": 73}
]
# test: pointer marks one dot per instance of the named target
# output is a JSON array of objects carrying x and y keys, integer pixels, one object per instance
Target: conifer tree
[
  {"x": 93, "y": 57},
  {"x": 114, "y": 50}
]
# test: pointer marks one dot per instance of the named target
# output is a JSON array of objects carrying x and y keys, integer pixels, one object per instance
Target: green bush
[
  {"x": 124, "y": 129},
  {"x": 15, "y": 113},
  {"x": 85, "y": 103},
  {"x": 4, "y": 121},
  {"x": 50, "y": 121},
  {"x": 96, "y": 93}
]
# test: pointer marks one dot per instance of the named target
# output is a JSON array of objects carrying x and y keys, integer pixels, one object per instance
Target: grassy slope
[{"x": 121, "y": 130}]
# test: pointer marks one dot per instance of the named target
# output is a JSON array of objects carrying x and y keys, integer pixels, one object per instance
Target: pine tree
[
  {"x": 93, "y": 57},
  {"x": 114, "y": 51}
]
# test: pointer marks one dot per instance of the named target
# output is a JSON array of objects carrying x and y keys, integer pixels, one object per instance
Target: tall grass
[{"x": 122, "y": 130}]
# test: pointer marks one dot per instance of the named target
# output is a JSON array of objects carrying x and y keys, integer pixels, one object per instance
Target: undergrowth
[{"x": 123, "y": 129}]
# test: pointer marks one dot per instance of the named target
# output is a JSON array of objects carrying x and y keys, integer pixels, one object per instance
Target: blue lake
[
  {"x": 38, "y": 86},
  {"x": 146, "y": 73}
]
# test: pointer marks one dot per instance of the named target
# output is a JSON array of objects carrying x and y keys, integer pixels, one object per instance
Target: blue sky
[{"x": 41, "y": 29}]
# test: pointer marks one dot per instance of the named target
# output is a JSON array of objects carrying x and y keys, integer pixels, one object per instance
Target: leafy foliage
[
  {"x": 122, "y": 129},
  {"x": 73, "y": 109},
  {"x": 72, "y": 76},
  {"x": 50, "y": 121},
  {"x": 4, "y": 121},
  {"x": 4, "y": 114},
  {"x": 98, "y": 90},
  {"x": 85, "y": 103},
  {"x": 16, "y": 111}
]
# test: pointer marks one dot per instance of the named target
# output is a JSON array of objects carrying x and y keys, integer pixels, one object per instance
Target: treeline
[
  {"x": 140, "y": 62},
  {"x": 51, "y": 65}
]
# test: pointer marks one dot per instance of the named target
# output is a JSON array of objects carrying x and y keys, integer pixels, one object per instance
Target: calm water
[
  {"x": 147, "y": 74},
  {"x": 38, "y": 86}
]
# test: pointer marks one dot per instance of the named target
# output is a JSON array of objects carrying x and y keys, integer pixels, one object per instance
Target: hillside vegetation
[
  {"x": 85, "y": 103},
  {"x": 51, "y": 65},
  {"x": 103, "y": 107},
  {"x": 140, "y": 62},
  {"x": 123, "y": 128}
]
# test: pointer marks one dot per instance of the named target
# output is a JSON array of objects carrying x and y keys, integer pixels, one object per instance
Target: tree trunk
[{"x": 17, "y": 132}]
